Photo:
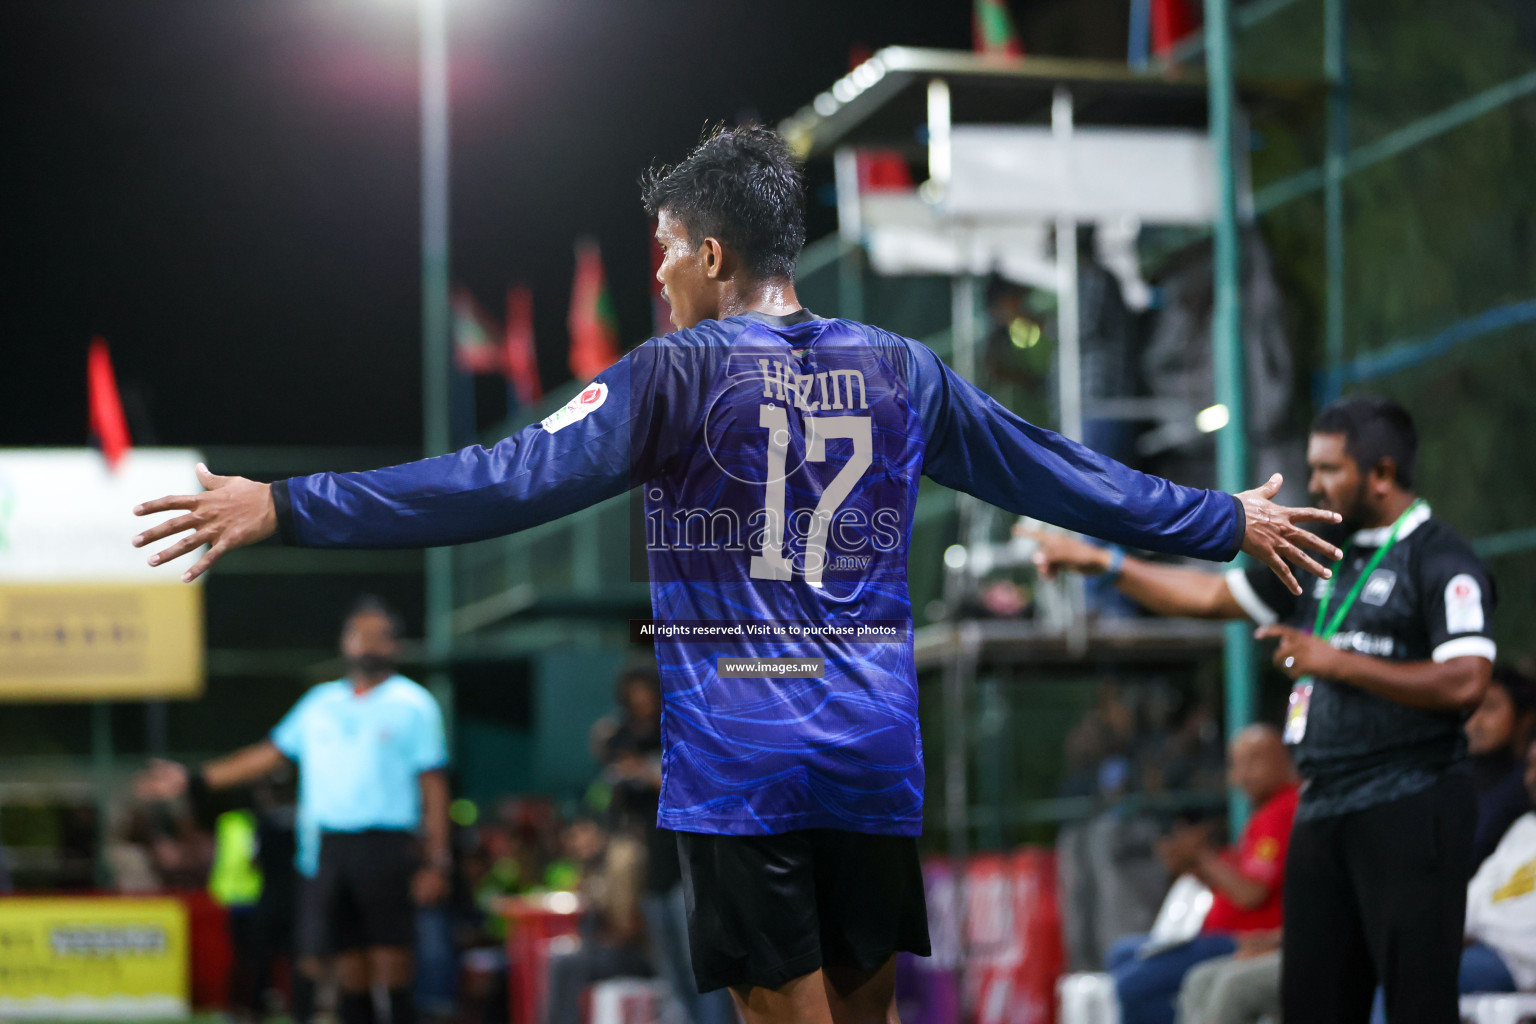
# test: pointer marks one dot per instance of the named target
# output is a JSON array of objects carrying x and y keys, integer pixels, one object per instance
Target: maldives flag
[
  {"x": 474, "y": 336},
  {"x": 1172, "y": 20},
  {"x": 992, "y": 29},
  {"x": 520, "y": 362},
  {"x": 593, "y": 326},
  {"x": 109, "y": 427}
]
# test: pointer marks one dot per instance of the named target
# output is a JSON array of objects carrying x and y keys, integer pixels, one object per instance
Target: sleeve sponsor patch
[
  {"x": 1463, "y": 605},
  {"x": 579, "y": 408}
]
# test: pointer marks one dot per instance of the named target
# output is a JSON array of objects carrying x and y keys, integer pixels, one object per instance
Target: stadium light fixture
[
  {"x": 1212, "y": 418},
  {"x": 955, "y": 556}
]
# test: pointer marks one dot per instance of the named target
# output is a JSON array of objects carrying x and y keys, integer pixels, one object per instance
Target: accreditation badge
[{"x": 1296, "y": 710}]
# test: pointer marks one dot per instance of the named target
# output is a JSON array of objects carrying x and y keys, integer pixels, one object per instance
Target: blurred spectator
[
  {"x": 501, "y": 865},
  {"x": 997, "y": 598},
  {"x": 1018, "y": 352},
  {"x": 1501, "y": 908},
  {"x": 1246, "y": 882},
  {"x": 1187, "y": 758},
  {"x": 127, "y": 853},
  {"x": 1497, "y": 734},
  {"x": 1243, "y": 988},
  {"x": 632, "y": 760},
  {"x": 253, "y": 874},
  {"x": 611, "y": 943},
  {"x": 1110, "y": 879}
]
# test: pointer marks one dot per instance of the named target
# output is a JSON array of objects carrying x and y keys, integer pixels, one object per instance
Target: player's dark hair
[
  {"x": 740, "y": 185},
  {"x": 1374, "y": 428},
  {"x": 1521, "y": 690},
  {"x": 372, "y": 604}
]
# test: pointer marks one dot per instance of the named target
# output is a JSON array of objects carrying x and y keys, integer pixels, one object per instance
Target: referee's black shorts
[
  {"x": 764, "y": 910},
  {"x": 361, "y": 896}
]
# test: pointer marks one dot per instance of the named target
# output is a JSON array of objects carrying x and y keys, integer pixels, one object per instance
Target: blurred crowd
[
  {"x": 1180, "y": 926},
  {"x": 1147, "y": 757}
]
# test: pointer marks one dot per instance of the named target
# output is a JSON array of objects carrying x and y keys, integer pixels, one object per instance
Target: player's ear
[
  {"x": 714, "y": 258},
  {"x": 1385, "y": 473}
]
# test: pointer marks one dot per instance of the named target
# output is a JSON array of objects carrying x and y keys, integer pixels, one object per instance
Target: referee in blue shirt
[{"x": 371, "y": 756}]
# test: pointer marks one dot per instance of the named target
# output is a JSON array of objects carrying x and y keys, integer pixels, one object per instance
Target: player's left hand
[
  {"x": 1274, "y": 538},
  {"x": 230, "y": 513},
  {"x": 430, "y": 886},
  {"x": 1299, "y": 653}
]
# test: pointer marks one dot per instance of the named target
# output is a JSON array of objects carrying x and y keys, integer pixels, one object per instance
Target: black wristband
[{"x": 282, "y": 504}]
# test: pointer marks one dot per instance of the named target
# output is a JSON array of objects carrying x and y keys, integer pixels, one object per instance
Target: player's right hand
[
  {"x": 1274, "y": 535},
  {"x": 162, "y": 780},
  {"x": 1062, "y": 552},
  {"x": 231, "y": 513}
]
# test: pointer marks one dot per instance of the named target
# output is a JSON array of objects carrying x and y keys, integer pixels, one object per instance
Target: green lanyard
[{"x": 1354, "y": 591}]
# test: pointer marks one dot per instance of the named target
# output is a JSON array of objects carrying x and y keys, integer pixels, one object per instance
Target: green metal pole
[
  {"x": 435, "y": 380},
  {"x": 850, "y": 282},
  {"x": 1335, "y": 169},
  {"x": 1227, "y": 348}
]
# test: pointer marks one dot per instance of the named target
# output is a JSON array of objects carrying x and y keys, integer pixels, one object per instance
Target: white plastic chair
[
  {"x": 1503, "y": 1008},
  {"x": 1087, "y": 998}
]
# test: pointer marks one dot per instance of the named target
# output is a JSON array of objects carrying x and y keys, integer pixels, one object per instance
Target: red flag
[
  {"x": 1172, "y": 20},
  {"x": 520, "y": 362},
  {"x": 109, "y": 427},
  {"x": 593, "y": 326},
  {"x": 992, "y": 29},
  {"x": 884, "y": 170}
]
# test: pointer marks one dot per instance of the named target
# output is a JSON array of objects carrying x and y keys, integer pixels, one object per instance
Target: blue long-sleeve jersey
[{"x": 779, "y": 459}]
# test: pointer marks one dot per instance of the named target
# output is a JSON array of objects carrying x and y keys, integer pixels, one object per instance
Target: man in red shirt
[{"x": 1245, "y": 881}]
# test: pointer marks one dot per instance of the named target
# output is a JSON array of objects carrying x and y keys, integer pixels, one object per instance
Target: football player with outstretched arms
[{"x": 779, "y": 454}]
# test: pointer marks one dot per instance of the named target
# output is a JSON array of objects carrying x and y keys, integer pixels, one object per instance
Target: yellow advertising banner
[
  {"x": 82, "y": 616},
  {"x": 100, "y": 641},
  {"x": 109, "y": 958}
]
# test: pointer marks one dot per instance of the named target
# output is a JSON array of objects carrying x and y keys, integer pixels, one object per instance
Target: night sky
[{"x": 229, "y": 191}]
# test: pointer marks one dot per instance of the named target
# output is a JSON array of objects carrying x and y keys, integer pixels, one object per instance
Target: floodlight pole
[
  {"x": 1227, "y": 356},
  {"x": 1336, "y": 71},
  {"x": 435, "y": 380}
]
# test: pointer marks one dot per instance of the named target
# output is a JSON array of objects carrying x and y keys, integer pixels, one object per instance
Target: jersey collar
[
  {"x": 799, "y": 316},
  {"x": 1376, "y": 536}
]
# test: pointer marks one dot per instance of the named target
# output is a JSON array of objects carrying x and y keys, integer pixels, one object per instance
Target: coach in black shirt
[{"x": 1387, "y": 656}]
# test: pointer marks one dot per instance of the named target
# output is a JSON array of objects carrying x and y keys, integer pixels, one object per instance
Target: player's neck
[
  {"x": 363, "y": 683},
  {"x": 1393, "y": 506},
  {"x": 774, "y": 297}
]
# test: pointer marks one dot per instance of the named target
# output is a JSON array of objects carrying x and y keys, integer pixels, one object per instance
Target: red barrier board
[
  {"x": 1005, "y": 970},
  {"x": 533, "y": 924}
]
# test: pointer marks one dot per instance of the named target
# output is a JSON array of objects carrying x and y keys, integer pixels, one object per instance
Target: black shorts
[
  {"x": 361, "y": 897},
  {"x": 764, "y": 910}
]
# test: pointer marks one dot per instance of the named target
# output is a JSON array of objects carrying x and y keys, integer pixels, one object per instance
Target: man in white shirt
[{"x": 1501, "y": 909}]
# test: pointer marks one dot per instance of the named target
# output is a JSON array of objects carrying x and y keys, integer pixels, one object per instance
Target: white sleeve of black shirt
[
  {"x": 1458, "y": 605},
  {"x": 1260, "y": 594}
]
